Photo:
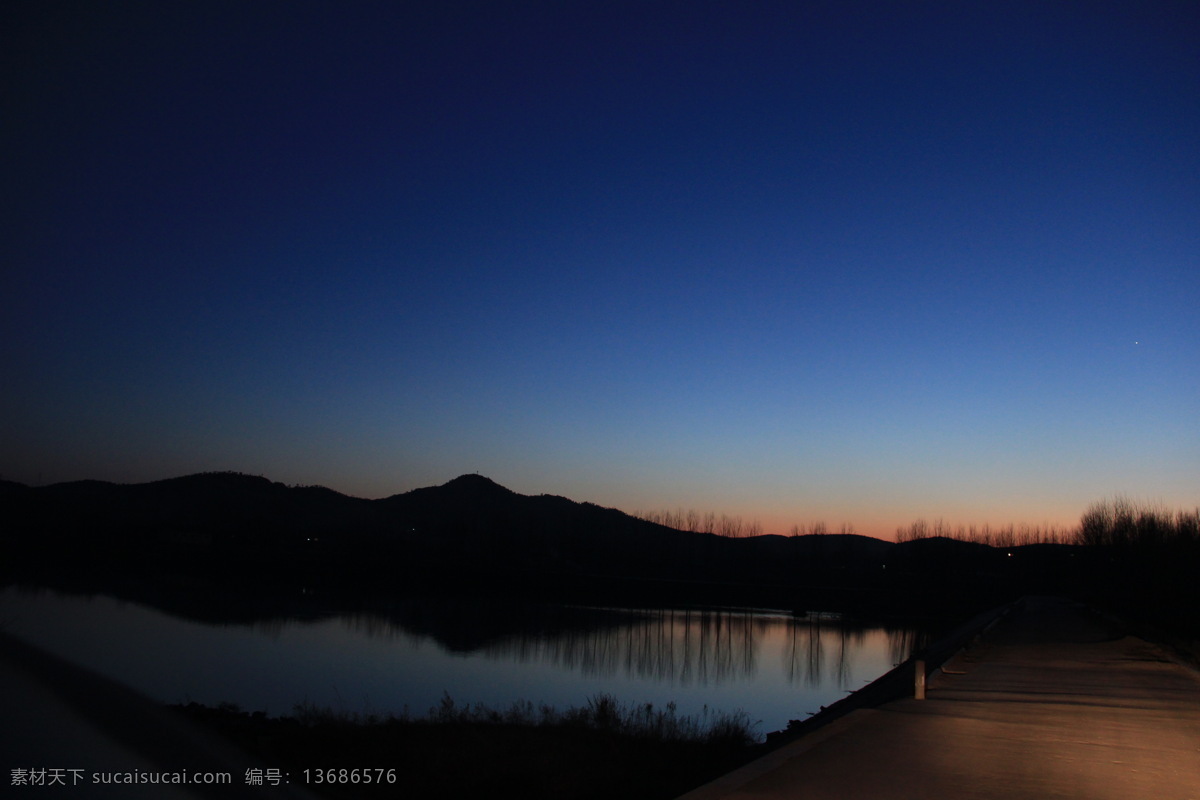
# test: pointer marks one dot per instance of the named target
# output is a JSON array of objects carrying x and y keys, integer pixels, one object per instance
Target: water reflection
[
  {"x": 466, "y": 625},
  {"x": 407, "y": 652},
  {"x": 684, "y": 647},
  {"x": 817, "y": 645},
  {"x": 681, "y": 646}
]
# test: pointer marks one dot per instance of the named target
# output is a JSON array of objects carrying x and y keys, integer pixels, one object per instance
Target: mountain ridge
[{"x": 470, "y": 529}]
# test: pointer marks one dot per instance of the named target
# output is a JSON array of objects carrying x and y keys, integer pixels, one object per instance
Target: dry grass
[{"x": 600, "y": 750}]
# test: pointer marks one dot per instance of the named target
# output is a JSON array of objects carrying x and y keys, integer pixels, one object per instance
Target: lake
[{"x": 408, "y": 654}]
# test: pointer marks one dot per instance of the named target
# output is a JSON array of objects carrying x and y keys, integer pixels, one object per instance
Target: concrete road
[{"x": 1052, "y": 703}]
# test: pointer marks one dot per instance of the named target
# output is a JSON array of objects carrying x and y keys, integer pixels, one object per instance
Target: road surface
[{"x": 1053, "y": 702}]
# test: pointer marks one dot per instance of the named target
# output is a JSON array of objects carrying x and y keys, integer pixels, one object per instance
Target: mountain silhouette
[{"x": 470, "y": 529}]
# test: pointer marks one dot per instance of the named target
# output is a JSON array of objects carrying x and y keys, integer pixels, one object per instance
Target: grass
[
  {"x": 603, "y": 712},
  {"x": 601, "y": 749}
]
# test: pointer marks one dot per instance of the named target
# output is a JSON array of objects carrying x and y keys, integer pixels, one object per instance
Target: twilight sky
[{"x": 796, "y": 261}]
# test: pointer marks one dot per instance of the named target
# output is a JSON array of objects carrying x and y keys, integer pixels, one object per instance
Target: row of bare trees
[
  {"x": 703, "y": 522},
  {"x": 820, "y": 529},
  {"x": 1122, "y": 522},
  {"x": 999, "y": 536},
  {"x": 1119, "y": 521},
  {"x": 725, "y": 525},
  {"x": 1152, "y": 557},
  {"x": 1108, "y": 522}
]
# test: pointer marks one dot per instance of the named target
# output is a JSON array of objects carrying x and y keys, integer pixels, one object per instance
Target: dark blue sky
[{"x": 857, "y": 262}]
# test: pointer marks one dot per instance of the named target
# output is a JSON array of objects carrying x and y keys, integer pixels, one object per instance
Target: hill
[{"x": 470, "y": 531}]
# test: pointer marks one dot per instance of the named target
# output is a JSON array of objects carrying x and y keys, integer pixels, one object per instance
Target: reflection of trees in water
[
  {"x": 377, "y": 626},
  {"x": 903, "y": 642},
  {"x": 806, "y": 651},
  {"x": 706, "y": 647},
  {"x": 816, "y": 644},
  {"x": 271, "y": 628},
  {"x": 682, "y": 646}
]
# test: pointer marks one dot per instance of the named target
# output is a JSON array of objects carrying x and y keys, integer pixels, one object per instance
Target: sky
[{"x": 791, "y": 261}]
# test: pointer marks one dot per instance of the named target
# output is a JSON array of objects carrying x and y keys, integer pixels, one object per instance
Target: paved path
[{"x": 1052, "y": 703}]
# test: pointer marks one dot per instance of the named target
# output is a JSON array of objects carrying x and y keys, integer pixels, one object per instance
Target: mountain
[
  {"x": 213, "y": 502},
  {"x": 468, "y": 530}
]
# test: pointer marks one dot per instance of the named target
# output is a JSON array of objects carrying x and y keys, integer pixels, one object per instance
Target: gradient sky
[{"x": 795, "y": 261}]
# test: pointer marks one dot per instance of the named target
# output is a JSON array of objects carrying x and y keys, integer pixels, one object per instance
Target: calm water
[{"x": 770, "y": 665}]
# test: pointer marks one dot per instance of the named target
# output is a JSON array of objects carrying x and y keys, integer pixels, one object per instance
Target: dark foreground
[
  {"x": 471, "y": 758},
  {"x": 1053, "y": 701},
  {"x": 85, "y": 736}
]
